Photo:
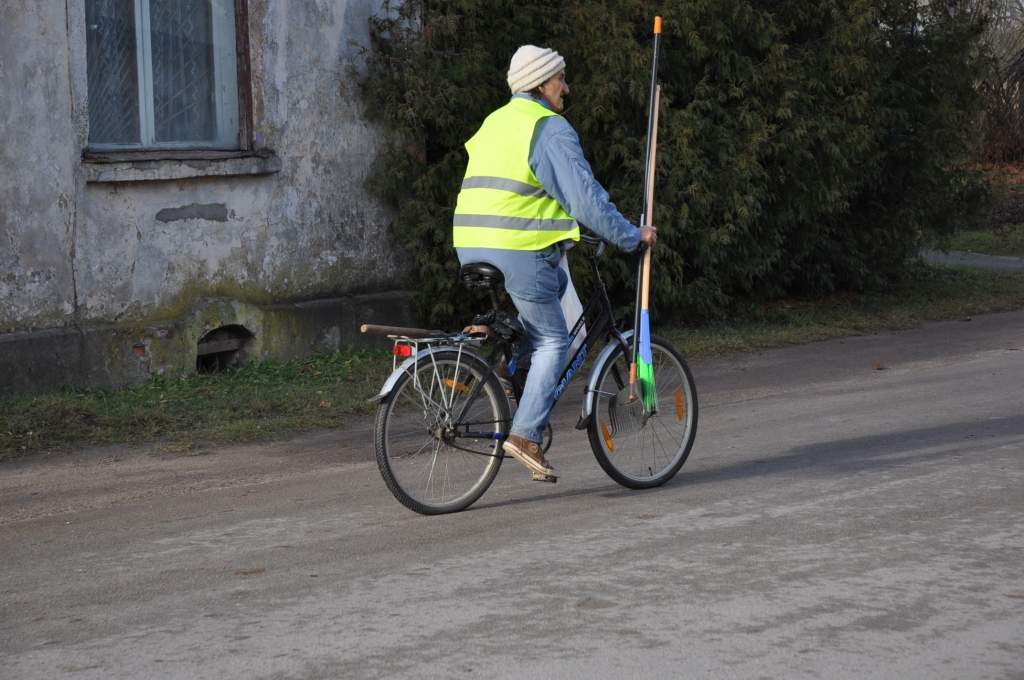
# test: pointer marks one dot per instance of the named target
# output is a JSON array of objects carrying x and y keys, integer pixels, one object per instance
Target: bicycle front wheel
[
  {"x": 652, "y": 454},
  {"x": 438, "y": 433}
]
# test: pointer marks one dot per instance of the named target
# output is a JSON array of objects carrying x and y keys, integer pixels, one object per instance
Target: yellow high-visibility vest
[{"x": 502, "y": 204}]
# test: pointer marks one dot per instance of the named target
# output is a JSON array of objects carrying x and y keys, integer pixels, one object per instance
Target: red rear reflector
[{"x": 402, "y": 351}]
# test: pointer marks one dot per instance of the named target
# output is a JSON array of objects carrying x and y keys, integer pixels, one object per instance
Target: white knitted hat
[{"x": 531, "y": 66}]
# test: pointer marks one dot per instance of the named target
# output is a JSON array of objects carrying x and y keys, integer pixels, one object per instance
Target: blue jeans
[{"x": 535, "y": 283}]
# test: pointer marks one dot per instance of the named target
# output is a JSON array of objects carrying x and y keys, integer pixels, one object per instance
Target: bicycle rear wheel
[
  {"x": 433, "y": 460},
  {"x": 653, "y": 454}
]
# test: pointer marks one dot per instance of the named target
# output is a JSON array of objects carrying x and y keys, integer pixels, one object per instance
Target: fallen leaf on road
[{"x": 255, "y": 571}]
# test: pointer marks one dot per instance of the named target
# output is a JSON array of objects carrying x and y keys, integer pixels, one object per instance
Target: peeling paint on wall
[{"x": 212, "y": 212}]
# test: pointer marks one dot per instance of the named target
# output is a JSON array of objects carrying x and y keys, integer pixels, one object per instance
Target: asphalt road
[{"x": 852, "y": 509}]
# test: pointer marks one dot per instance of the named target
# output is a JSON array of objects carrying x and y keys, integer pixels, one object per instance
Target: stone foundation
[{"x": 105, "y": 356}]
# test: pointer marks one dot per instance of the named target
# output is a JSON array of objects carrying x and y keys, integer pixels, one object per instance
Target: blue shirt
[{"x": 557, "y": 160}]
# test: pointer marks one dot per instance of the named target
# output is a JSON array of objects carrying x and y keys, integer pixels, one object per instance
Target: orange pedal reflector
[
  {"x": 607, "y": 436},
  {"x": 680, "y": 406},
  {"x": 461, "y": 387}
]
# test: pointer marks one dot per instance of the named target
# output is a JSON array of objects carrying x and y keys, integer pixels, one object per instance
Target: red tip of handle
[{"x": 657, "y": 25}]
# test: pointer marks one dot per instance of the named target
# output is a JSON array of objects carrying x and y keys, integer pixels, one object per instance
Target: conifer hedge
[{"x": 805, "y": 146}]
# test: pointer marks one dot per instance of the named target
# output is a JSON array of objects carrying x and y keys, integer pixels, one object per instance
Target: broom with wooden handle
[
  {"x": 630, "y": 407},
  {"x": 642, "y": 358}
]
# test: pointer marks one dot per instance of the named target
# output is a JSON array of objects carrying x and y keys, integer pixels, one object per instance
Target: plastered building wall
[{"x": 108, "y": 261}]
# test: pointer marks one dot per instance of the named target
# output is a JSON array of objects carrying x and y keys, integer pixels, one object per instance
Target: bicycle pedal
[{"x": 540, "y": 477}]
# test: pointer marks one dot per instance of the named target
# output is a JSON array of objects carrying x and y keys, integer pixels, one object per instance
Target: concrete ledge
[
  {"x": 42, "y": 361},
  {"x": 157, "y": 166},
  {"x": 110, "y": 356}
]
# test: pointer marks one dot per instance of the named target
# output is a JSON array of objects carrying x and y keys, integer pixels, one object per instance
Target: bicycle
[{"x": 444, "y": 412}]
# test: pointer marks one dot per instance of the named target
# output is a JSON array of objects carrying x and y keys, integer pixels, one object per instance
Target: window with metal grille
[{"x": 162, "y": 74}]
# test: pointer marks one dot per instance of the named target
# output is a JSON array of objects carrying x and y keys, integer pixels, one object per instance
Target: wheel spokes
[
  {"x": 662, "y": 441},
  {"x": 424, "y": 458}
]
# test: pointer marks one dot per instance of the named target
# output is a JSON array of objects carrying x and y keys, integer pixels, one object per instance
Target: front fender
[{"x": 590, "y": 395}]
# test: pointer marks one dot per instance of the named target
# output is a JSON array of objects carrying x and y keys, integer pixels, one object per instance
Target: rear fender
[
  {"x": 389, "y": 384},
  {"x": 407, "y": 367}
]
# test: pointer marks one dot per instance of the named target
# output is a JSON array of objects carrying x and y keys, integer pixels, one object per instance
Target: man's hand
[{"x": 649, "y": 236}]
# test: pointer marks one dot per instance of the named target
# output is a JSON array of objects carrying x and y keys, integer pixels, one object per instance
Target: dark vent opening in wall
[{"x": 222, "y": 348}]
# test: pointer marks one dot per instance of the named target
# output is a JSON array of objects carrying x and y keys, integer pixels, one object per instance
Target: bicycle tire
[
  {"x": 653, "y": 455},
  {"x": 408, "y": 448}
]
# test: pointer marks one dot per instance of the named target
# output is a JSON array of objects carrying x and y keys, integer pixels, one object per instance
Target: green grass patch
[
  {"x": 931, "y": 294},
  {"x": 1006, "y": 239},
  {"x": 254, "y": 402},
  {"x": 274, "y": 398}
]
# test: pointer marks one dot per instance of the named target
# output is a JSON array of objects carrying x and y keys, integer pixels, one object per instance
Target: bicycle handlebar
[
  {"x": 600, "y": 243},
  {"x": 594, "y": 240}
]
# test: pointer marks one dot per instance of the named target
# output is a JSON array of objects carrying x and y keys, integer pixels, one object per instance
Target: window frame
[{"x": 243, "y": 85}]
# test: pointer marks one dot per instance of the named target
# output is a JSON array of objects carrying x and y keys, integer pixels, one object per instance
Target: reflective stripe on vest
[
  {"x": 521, "y": 188},
  {"x": 502, "y": 204},
  {"x": 522, "y": 223}
]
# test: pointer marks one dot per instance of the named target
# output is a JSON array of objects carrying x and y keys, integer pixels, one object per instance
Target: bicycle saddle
[{"x": 481, "y": 275}]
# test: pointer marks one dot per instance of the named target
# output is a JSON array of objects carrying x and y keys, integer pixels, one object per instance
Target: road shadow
[
  {"x": 902, "y": 448},
  {"x": 837, "y": 457},
  {"x": 548, "y": 496}
]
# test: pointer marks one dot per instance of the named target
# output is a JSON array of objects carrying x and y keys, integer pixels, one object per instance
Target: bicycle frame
[
  {"x": 601, "y": 327},
  {"x": 446, "y": 399}
]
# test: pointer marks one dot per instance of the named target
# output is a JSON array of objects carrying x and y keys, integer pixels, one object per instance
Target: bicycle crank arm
[{"x": 499, "y": 436}]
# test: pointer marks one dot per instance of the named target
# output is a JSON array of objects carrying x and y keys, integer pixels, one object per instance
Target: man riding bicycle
[{"x": 527, "y": 188}]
